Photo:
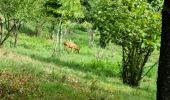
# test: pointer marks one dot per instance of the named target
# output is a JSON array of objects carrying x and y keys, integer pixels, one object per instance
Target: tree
[
  {"x": 132, "y": 24},
  {"x": 62, "y": 10},
  {"x": 37, "y": 15},
  {"x": 139, "y": 37},
  {"x": 13, "y": 13},
  {"x": 163, "y": 80},
  {"x": 9, "y": 12}
]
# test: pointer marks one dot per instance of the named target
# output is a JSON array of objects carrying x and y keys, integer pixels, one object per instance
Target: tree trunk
[
  {"x": 18, "y": 26},
  {"x": 9, "y": 28},
  {"x": 1, "y": 29},
  {"x": 163, "y": 80},
  {"x": 38, "y": 28},
  {"x": 133, "y": 62},
  {"x": 65, "y": 30},
  {"x": 91, "y": 36},
  {"x": 58, "y": 37},
  {"x": 52, "y": 29},
  {"x": 103, "y": 40}
]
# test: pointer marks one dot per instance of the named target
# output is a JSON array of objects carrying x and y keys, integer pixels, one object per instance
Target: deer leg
[
  {"x": 65, "y": 48},
  {"x": 71, "y": 49},
  {"x": 75, "y": 50},
  {"x": 67, "y": 51}
]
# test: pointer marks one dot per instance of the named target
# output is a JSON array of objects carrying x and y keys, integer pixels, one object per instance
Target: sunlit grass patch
[{"x": 93, "y": 74}]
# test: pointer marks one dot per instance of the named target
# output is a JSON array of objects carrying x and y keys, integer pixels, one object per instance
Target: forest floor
[{"x": 31, "y": 72}]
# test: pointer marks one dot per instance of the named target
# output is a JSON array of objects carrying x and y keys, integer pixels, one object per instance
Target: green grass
[{"x": 91, "y": 75}]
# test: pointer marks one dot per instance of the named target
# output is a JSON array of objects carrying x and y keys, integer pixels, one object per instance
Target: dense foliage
[
  {"x": 132, "y": 24},
  {"x": 13, "y": 13}
]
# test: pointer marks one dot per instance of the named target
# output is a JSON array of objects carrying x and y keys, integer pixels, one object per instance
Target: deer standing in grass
[{"x": 71, "y": 45}]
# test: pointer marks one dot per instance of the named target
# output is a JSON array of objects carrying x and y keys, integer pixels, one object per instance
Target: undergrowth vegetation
[
  {"x": 117, "y": 44},
  {"x": 14, "y": 84},
  {"x": 31, "y": 72}
]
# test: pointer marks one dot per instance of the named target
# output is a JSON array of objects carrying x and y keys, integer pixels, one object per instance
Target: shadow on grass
[{"x": 84, "y": 67}]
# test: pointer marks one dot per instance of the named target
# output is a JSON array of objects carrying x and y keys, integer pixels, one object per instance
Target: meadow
[{"x": 31, "y": 71}]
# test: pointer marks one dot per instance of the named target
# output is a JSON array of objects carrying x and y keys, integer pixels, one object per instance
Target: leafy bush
[{"x": 135, "y": 26}]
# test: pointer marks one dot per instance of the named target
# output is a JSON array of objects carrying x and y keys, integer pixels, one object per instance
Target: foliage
[
  {"x": 139, "y": 37},
  {"x": 63, "y": 10},
  {"x": 157, "y": 4},
  {"x": 135, "y": 25},
  {"x": 13, "y": 12},
  {"x": 30, "y": 71}
]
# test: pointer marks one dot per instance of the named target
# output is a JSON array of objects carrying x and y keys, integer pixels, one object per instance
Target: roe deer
[{"x": 71, "y": 45}]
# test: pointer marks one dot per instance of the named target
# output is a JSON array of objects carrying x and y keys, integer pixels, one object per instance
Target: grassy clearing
[{"x": 91, "y": 75}]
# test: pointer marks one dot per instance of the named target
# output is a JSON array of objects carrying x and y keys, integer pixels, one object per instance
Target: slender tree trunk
[
  {"x": 56, "y": 40},
  {"x": 38, "y": 28},
  {"x": 65, "y": 30},
  {"x": 163, "y": 81},
  {"x": 18, "y": 26},
  {"x": 61, "y": 38},
  {"x": 90, "y": 35},
  {"x": 1, "y": 29},
  {"x": 52, "y": 29},
  {"x": 58, "y": 36}
]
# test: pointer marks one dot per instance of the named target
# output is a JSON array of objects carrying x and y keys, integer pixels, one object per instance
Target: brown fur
[{"x": 71, "y": 45}]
